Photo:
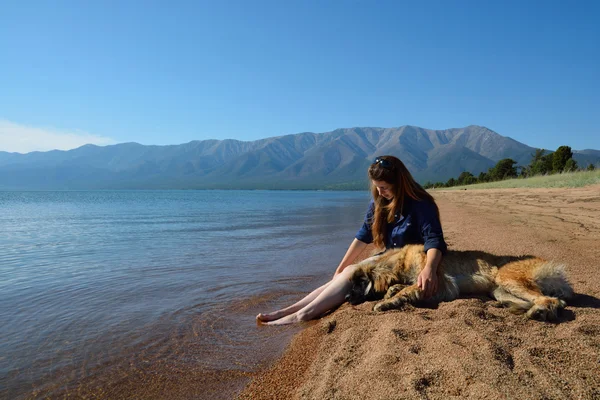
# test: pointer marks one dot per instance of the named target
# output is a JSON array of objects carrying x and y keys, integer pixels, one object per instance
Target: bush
[
  {"x": 505, "y": 168},
  {"x": 465, "y": 178},
  {"x": 570, "y": 165},
  {"x": 560, "y": 158}
]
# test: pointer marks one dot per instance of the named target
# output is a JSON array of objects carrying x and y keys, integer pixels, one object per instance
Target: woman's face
[{"x": 386, "y": 190}]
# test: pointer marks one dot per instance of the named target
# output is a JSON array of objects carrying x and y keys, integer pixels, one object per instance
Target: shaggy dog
[{"x": 525, "y": 284}]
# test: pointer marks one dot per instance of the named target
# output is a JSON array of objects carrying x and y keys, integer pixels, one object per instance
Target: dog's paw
[
  {"x": 394, "y": 290},
  {"x": 381, "y": 307},
  {"x": 394, "y": 304},
  {"x": 538, "y": 313},
  {"x": 542, "y": 313},
  {"x": 546, "y": 310}
]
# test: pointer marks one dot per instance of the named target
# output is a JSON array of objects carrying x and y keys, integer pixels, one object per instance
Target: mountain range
[{"x": 330, "y": 160}]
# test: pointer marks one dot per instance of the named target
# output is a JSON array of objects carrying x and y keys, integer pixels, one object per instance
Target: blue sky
[{"x": 74, "y": 72}]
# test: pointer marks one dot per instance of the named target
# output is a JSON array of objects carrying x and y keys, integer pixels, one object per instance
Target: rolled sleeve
[
  {"x": 365, "y": 234},
  {"x": 430, "y": 227}
]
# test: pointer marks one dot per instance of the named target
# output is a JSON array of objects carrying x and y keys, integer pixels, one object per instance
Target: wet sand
[{"x": 467, "y": 348}]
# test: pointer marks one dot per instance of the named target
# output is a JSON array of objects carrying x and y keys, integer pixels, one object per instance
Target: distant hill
[{"x": 334, "y": 160}]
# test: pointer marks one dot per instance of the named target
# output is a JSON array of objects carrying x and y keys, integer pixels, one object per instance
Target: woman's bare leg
[
  {"x": 332, "y": 295},
  {"x": 293, "y": 308}
]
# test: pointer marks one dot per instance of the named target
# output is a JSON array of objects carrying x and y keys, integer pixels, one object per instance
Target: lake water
[{"x": 152, "y": 294}]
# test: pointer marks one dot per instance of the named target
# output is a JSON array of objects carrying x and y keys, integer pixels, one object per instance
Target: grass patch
[{"x": 563, "y": 180}]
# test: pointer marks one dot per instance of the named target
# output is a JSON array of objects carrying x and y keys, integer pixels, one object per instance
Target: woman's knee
[{"x": 348, "y": 271}]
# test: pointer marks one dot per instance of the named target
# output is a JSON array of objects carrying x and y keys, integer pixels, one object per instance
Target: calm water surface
[{"x": 142, "y": 293}]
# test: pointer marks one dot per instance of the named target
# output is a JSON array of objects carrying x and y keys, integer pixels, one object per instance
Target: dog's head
[{"x": 362, "y": 288}]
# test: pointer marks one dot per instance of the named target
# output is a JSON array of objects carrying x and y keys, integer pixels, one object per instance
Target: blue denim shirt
[{"x": 419, "y": 225}]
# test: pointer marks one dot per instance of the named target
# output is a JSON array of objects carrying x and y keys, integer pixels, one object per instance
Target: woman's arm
[
  {"x": 427, "y": 280},
  {"x": 356, "y": 247}
]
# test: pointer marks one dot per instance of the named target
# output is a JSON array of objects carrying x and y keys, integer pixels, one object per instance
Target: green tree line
[{"x": 541, "y": 163}]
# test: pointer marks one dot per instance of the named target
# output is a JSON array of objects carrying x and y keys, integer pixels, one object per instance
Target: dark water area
[{"x": 153, "y": 294}]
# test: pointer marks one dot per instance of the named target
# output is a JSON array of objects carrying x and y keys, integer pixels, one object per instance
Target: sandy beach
[{"x": 468, "y": 348}]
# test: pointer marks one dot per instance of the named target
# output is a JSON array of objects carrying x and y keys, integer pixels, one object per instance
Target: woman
[{"x": 401, "y": 213}]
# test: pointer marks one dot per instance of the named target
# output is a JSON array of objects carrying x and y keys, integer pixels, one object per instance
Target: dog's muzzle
[{"x": 359, "y": 292}]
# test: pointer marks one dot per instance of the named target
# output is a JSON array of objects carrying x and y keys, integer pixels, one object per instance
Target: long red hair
[{"x": 394, "y": 172}]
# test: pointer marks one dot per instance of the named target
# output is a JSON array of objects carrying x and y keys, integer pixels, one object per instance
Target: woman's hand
[{"x": 428, "y": 281}]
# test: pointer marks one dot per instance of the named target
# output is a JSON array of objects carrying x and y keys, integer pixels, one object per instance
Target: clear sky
[{"x": 75, "y": 72}]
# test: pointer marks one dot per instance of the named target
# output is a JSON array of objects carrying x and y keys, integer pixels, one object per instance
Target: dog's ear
[
  {"x": 380, "y": 285},
  {"x": 356, "y": 275}
]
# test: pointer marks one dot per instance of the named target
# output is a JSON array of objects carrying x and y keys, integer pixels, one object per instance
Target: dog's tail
[{"x": 551, "y": 278}]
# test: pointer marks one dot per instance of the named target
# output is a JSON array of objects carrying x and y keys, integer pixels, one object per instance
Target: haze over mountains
[{"x": 331, "y": 160}]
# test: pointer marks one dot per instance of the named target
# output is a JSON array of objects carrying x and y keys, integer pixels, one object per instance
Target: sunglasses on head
[{"x": 383, "y": 163}]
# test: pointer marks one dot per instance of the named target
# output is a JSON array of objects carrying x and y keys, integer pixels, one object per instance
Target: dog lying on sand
[{"x": 526, "y": 284}]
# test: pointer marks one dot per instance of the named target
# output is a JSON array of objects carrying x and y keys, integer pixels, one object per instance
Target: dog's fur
[{"x": 526, "y": 284}]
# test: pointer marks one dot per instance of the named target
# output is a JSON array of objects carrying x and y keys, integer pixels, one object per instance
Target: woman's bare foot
[
  {"x": 265, "y": 317},
  {"x": 272, "y": 316},
  {"x": 288, "y": 319}
]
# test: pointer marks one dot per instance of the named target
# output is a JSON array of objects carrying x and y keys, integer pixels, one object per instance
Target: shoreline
[
  {"x": 171, "y": 310},
  {"x": 466, "y": 348}
]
